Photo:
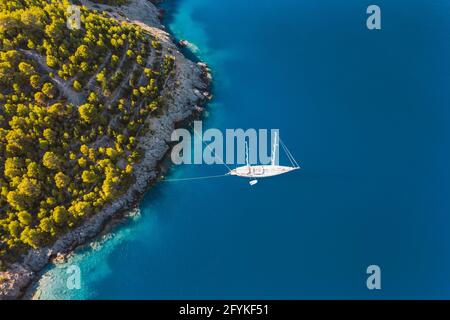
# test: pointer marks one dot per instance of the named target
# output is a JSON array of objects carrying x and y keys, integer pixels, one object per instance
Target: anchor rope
[
  {"x": 205, "y": 177},
  {"x": 196, "y": 178}
]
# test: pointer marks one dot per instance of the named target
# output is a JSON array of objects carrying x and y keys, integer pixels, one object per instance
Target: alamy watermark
[
  {"x": 235, "y": 146},
  {"x": 73, "y": 281},
  {"x": 374, "y": 20},
  {"x": 374, "y": 280},
  {"x": 74, "y": 18}
]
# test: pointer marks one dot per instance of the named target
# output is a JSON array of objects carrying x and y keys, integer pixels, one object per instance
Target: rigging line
[
  {"x": 284, "y": 149},
  {"x": 195, "y": 178},
  {"x": 210, "y": 149},
  {"x": 291, "y": 158},
  {"x": 287, "y": 154},
  {"x": 290, "y": 154}
]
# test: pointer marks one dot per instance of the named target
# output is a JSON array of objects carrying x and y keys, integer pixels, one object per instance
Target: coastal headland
[{"x": 184, "y": 96}]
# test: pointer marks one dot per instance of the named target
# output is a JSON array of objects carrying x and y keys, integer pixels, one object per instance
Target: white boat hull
[{"x": 261, "y": 171}]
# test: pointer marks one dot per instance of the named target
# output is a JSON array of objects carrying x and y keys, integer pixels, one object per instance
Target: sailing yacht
[{"x": 264, "y": 171}]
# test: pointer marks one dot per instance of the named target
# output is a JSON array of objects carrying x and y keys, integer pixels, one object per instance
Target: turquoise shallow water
[{"x": 366, "y": 114}]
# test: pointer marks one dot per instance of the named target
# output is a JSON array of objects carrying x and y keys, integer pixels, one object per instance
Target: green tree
[
  {"x": 77, "y": 85},
  {"x": 89, "y": 176},
  {"x": 48, "y": 89},
  {"x": 61, "y": 180},
  {"x": 60, "y": 215},
  {"x": 24, "y": 218},
  {"x": 35, "y": 81},
  {"x": 51, "y": 161},
  {"x": 29, "y": 187},
  {"x": 88, "y": 112}
]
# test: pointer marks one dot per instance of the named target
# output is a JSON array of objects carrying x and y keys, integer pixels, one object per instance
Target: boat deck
[{"x": 261, "y": 171}]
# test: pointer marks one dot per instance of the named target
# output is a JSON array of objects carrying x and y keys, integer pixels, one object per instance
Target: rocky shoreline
[{"x": 186, "y": 94}]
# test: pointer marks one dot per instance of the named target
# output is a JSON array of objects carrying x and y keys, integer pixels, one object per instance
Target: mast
[
  {"x": 246, "y": 154},
  {"x": 274, "y": 149}
]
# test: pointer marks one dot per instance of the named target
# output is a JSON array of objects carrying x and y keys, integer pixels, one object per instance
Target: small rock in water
[
  {"x": 60, "y": 258},
  {"x": 199, "y": 109},
  {"x": 183, "y": 43}
]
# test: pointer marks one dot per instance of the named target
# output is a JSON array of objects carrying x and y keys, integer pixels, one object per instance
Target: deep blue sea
[{"x": 366, "y": 113}]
